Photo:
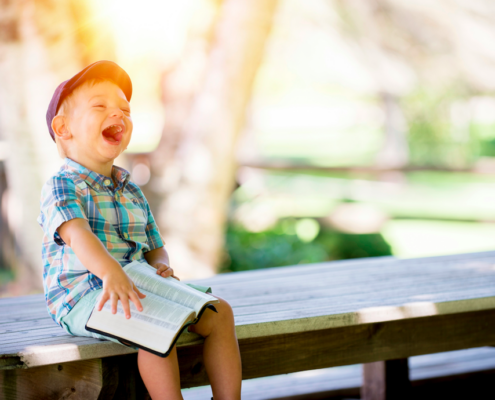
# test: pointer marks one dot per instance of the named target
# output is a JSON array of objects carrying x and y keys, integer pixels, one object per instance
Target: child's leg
[
  {"x": 221, "y": 351},
  {"x": 160, "y": 375}
]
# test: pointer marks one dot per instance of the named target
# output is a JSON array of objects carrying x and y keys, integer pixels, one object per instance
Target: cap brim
[{"x": 102, "y": 69}]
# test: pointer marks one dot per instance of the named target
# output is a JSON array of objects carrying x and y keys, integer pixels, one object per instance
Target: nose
[{"x": 117, "y": 112}]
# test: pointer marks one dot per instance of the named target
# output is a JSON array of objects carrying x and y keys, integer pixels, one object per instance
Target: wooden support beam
[
  {"x": 98, "y": 379},
  {"x": 85, "y": 380},
  {"x": 386, "y": 380},
  {"x": 281, "y": 354}
]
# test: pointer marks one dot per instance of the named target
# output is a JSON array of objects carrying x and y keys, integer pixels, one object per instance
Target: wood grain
[{"x": 83, "y": 380}]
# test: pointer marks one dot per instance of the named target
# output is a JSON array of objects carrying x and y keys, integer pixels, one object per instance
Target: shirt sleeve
[
  {"x": 155, "y": 240},
  {"x": 59, "y": 203}
]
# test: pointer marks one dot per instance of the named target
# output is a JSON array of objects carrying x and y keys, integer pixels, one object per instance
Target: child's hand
[
  {"x": 164, "y": 270},
  {"x": 118, "y": 286}
]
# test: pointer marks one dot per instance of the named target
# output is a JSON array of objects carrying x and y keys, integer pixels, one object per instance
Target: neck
[{"x": 100, "y": 168}]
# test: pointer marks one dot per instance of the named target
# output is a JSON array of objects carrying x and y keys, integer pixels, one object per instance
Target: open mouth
[{"x": 113, "y": 133}]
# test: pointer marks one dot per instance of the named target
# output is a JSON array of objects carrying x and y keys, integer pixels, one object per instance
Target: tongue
[
  {"x": 111, "y": 130},
  {"x": 111, "y": 134}
]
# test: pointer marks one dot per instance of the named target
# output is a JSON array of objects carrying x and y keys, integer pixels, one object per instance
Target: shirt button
[
  {"x": 126, "y": 235},
  {"x": 116, "y": 196},
  {"x": 97, "y": 187},
  {"x": 107, "y": 182}
]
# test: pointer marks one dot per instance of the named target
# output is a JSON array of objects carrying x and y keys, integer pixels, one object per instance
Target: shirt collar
[{"x": 96, "y": 180}]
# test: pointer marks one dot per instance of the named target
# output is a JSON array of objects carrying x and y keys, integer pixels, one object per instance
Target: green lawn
[
  {"x": 416, "y": 238},
  {"x": 430, "y": 213}
]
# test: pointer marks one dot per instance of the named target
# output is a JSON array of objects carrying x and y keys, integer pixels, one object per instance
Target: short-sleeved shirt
[{"x": 119, "y": 215}]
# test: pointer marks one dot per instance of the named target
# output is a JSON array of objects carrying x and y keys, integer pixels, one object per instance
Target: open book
[{"x": 169, "y": 308}]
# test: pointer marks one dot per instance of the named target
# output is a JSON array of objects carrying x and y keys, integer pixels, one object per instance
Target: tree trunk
[
  {"x": 38, "y": 50},
  {"x": 199, "y": 173},
  {"x": 391, "y": 74}
]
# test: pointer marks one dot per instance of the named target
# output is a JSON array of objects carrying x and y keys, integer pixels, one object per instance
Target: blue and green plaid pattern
[{"x": 119, "y": 216}]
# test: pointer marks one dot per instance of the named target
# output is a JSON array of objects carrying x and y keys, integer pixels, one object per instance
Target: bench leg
[{"x": 386, "y": 380}]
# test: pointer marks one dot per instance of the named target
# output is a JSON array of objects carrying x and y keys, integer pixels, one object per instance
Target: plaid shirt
[{"x": 119, "y": 216}]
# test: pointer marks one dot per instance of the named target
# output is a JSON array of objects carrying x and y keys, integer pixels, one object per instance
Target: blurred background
[{"x": 267, "y": 133}]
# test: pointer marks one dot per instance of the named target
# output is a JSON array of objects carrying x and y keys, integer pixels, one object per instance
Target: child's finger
[
  {"x": 167, "y": 272},
  {"x": 125, "y": 305},
  {"x": 104, "y": 298},
  {"x": 160, "y": 267},
  {"x": 139, "y": 293},
  {"x": 114, "y": 298},
  {"x": 135, "y": 299}
]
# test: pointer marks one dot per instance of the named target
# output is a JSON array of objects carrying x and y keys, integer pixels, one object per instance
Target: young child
[{"x": 96, "y": 221}]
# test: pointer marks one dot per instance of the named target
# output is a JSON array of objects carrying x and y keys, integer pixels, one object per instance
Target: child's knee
[
  {"x": 224, "y": 309},
  {"x": 223, "y": 318}
]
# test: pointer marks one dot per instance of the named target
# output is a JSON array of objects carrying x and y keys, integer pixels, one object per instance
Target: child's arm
[
  {"x": 77, "y": 234},
  {"x": 158, "y": 258}
]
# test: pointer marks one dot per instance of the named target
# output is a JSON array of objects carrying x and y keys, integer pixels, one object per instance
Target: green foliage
[
  {"x": 281, "y": 246},
  {"x": 487, "y": 148},
  {"x": 439, "y": 134},
  {"x": 6, "y": 276}
]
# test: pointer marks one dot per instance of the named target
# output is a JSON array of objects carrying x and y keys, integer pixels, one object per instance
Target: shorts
[{"x": 75, "y": 321}]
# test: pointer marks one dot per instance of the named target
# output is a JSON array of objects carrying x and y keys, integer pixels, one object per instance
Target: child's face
[{"x": 99, "y": 122}]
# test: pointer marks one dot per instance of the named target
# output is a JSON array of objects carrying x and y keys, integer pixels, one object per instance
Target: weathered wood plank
[
  {"x": 478, "y": 287},
  {"x": 32, "y": 336},
  {"x": 277, "y": 292},
  {"x": 355, "y": 265},
  {"x": 364, "y": 272},
  {"x": 289, "y": 323},
  {"x": 297, "y": 321},
  {"x": 435, "y": 372},
  {"x": 28, "y": 299},
  {"x": 83, "y": 380},
  {"x": 42, "y": 322},
  {"x": 280, "y": 354}
]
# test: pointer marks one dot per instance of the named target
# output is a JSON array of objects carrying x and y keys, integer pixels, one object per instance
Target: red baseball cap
[{"x": 100, "y": 69}]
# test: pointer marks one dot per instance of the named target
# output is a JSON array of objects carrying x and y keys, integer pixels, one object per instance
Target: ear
[{"x": 60, "y": 128}]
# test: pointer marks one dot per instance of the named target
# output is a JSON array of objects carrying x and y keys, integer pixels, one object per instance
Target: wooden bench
[{"x": 288, "y": 319}]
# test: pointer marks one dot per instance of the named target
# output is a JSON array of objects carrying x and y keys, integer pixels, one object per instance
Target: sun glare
[
  {"x": 150, "y": 27},
  {"x": 149, "y": 37}
]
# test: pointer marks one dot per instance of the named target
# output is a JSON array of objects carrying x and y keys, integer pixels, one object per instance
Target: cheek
[{"x": 129, "y": 127}]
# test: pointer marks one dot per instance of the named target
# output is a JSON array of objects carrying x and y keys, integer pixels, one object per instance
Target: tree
[
  {"x": 195, "y": 162},
  {"x": 42, "y": 43}
]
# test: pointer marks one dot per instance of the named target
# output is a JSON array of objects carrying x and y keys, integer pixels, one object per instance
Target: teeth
[{"x": 117, "y": 130}]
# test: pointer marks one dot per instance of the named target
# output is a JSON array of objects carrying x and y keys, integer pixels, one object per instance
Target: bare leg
[
  {"x": 221, "y": 351},
  {"x": 160, "y": 375}
]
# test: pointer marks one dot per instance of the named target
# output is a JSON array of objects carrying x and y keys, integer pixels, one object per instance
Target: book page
[
  {"x": 154, "y": 327},
  {"x": 144, "y": 276}
]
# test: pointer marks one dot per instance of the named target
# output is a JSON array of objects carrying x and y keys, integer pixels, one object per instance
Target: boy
[{"x": 95, "y": 221}]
